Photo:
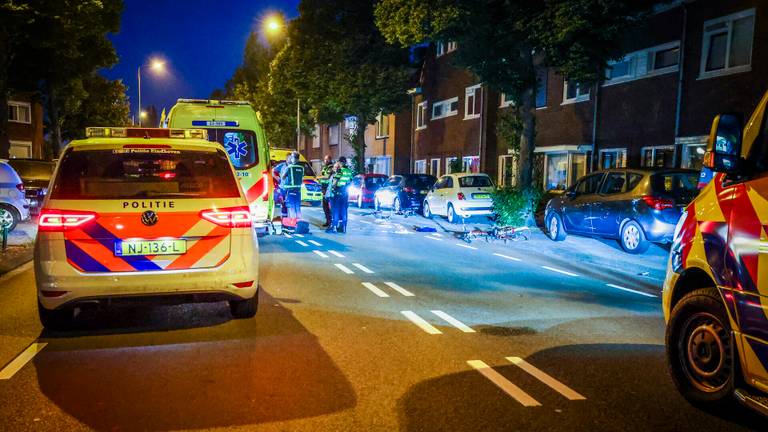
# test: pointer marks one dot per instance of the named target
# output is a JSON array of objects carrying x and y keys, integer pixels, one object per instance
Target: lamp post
[{"x": 157, "y": 66}]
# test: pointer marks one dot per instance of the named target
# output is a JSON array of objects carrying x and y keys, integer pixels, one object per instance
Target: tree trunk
[
  {"x": 527, "y": 140},
  {"x": 53, "y": 114},
  {"x": 358, "y": 144}
]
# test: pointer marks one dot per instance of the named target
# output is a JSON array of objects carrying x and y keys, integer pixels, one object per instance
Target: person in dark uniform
[
  {"x": 324, "y": 179},
  {"x": 291, "y": 180},
  {"x": 340, "y": 179}
]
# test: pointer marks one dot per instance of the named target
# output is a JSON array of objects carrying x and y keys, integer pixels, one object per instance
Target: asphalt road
[{"x": 382, "y": 329}]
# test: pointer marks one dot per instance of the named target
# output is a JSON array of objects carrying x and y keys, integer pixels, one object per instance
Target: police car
[
  {"x": 135, "y": 214},
  {"x": 715, "y": 295}
]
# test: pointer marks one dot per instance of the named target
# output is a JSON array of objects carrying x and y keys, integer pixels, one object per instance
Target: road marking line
[
  {"x": 399, "y": 289},
  {"x": 287, "y": 235},
  {"x": 453, "y": 321},
  {"x": 374, "y": 289},
  {"x": 363, "y": 268},
  {"x": 314, "y": 243},
  {"x": 344, "y": 268},
  {"x": 507, "y": 257},
  {"x": 299, "y": 235},
  {"x": 22, "y": 359},
  {"x": 436, "y": 235},
  {"x": 302, "y": 243},
  {"x": 333, "y": 252},
  {"x": 546, "y": 379},
  {"x": 619, "y": 287},
  {"x": 419, "y": 321},
  {"x": 504, "y": 384},
  {"x": 320, "y": 254},
  {"x": 433, "y": 238},
  {"x": 466, "y": 246},
  {"x": 559, "y": 271}
]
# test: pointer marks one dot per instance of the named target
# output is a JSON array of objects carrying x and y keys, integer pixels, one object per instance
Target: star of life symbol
[{"x": 235, "y": 147}]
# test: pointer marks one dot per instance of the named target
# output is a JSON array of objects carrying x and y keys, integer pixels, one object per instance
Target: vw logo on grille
[{"x": 149, "y": 218}]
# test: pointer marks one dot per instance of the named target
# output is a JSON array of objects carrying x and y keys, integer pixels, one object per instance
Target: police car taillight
[
  {"x": 63, "y": 220},
  {"x": 231, "y": 217}
]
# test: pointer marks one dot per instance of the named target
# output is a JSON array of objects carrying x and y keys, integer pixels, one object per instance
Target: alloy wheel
[
  {"x": 553, "y": 227},
  {"x": 631, "y": 237},
  {"x": 6, "y": 218}
]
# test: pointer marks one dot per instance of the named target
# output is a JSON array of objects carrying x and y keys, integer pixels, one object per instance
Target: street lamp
[
  {"x": 273, "y": 25},
  {"x": 156, "y": 65}
]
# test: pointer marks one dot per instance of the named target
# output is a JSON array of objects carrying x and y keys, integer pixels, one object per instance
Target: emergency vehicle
[
  {"x": 715, "y": 296},
  {"x": 311, "y": 191},
  {"x": 236, "y": 126},
  {"x": 150, "y": 214}
]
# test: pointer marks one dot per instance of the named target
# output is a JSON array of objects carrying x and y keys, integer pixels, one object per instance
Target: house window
[
  {"x": 507, "y": 170},
  {"x": 657, "y": 157},
  {"x": 434, "y": 167},
  {"x": 382, "y": 126},
  {"x": 350, "y": 125},
  {"x": 19, "y": 112},
  {"x": 574, "y": 92},
  {"x": 420, "y": 166},
  {"x": 421, "y": 115},
  {"x": 727, "y": 44},
  {"x": 506, "y": 100},
  {"x": 563, "y": 169},
  {"x": 613, "y": 158},
  {"x": 666, "y": 58},
  {"x": 449, "y": 165},
  {"x": 317, "y": 165},
  {"x": 472, "y": 102},
  {"x": 20, "y": 149},
  {"x": 446, "y": 108},
  {"x": 471, "y": 164},
  {"x": 334, "y": 136},
  {"x": 693, "y": 156},
  {"x": 445, "y": 47},
  {"x": 541, "y": 88},
  {"x": 648, "y": 62},
  {"x": 316, "y": 137},
  {"x": 378, "y": 165}
]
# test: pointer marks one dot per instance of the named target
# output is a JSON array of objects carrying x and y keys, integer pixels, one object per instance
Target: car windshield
[
  {"x": 241, "y": 146},
  {"x": 374, "y": 182},
  {"x": 420, "y": 181},
  {"x": 144, "y": 173},
  {"x": 475, "y": 181}
]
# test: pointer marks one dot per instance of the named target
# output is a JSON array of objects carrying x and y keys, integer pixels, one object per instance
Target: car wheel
[
  {"x": 633, "y": 239},
  {"x": 376, "y": 204},
  {"x": 8, "y": 217},
  {"x": 427, "y": 212},
  {"x": 701, "y": 354},
  {"x": 396, "y": 205},
  {"x": 555, "y": 228},
  {"x": 452, "y": 217},
  {"x": 56, "y": 319},
  {"x": 360, "y": 201},
  {"x": 241, "y": 309}
]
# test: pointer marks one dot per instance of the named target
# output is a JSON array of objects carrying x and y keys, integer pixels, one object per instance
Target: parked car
[
  {"x": 14, "y": 206},
  {"x": 363, "y": 186},
  {"x": 460, "y": 195},
  {"x": 635, "y": 206},
  {"x": 35, "y": 174},
  {"x": 405, "y": 191}
]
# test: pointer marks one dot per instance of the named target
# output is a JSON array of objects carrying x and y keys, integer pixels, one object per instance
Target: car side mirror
[
  {"x": 724, "y": 144},
  {"x": 571, "y": 193}
]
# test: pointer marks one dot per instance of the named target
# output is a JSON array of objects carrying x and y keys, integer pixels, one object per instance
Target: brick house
[{"x": 25, "y": 127}]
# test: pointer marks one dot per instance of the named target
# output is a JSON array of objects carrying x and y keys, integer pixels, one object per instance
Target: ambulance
[
  {"x": 311, "y": 191},
  {"x": 144, "y": 214},
  {"x": 715, "y": 296},
  {"x": 237, "y": 127}
]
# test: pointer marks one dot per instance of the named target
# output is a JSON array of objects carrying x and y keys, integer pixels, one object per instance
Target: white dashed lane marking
[
  {"x": 314, "y": 243},
  {"x": 299, "y": 235},
  {"x": 433, "y": 238},
  {"x": 419, "y": 321},
  {"x": 22, "y": 359},
  {"x": 320, "y": 254},
  {"x": 511, "y": 258},
  {"x": 363, "y": 268},
  {"x": 466, "y": 246},
  {"x": 336, "y": 254},
  {"x": 557, "y": 270},
  {"x": 374, "y": 289},
  {"x": 504, "y": 384},
  {"x": 619, "y": 287},
  {"x": 302, "y": 243},
  {"x": 546, "y": 379},
  {"x": 344, "y": 268},
  {"x": 453, "y": 321},
  {"x": 287, "y": 235},
  {"x": 399, "y": 289}
]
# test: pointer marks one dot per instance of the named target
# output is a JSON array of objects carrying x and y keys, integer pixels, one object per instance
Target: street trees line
[{"x": 55, "y": 48}]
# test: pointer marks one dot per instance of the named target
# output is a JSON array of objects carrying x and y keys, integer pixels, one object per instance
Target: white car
[
  {"x": 460, "y": 196},
  {"x": 144, "y": 214},
  {"x": 14, "y": 206}
]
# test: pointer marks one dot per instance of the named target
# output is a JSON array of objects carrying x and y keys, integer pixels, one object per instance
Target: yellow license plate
[{"x": 150, "y": 247}]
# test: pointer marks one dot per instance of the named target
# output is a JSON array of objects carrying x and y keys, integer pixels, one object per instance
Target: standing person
[
  {"x": 291, "y": 180},
  {"x": 279, "y": 194},
  {"x": 343, "y": 179},
  {"x": 332, "y": 195},
  {"x": 325, "y": 178}
]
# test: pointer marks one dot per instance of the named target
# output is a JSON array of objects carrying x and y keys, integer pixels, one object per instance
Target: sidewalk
[{"x": 20, "y": 246}]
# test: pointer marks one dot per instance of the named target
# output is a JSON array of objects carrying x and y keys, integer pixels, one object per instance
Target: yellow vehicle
[
  {"x": 237, "y": 127},
  {"x": 715, "y": 294},
  {"x": 311, "y": 192}
]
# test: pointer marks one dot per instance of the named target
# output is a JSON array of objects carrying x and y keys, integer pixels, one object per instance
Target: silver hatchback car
[{"x": 14, "y": 206}]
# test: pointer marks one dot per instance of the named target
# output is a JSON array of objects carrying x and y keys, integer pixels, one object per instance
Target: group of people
[{"x": 334, "y": 179}]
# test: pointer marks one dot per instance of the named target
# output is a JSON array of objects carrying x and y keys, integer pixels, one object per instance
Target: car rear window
[
  {"x": 374, "y": 182},
  {"x": 33, "y": 169},
  {"x": 676, "y": 183},
  {"x": 144, "y": 173},
  {"x": 475, "y": 181},
  {"x": 241, "y": 146},
  {"x": 420, "y": 181}
]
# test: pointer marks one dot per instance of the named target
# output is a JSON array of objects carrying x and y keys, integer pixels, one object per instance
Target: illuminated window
[
  {"x": 574, "y": 92},
  {"x": 421, "y": 116},
  {"x": 334, "y": 134},
  {"x": 613, "y": 158},
  {"x": 420, "y": 166},
  {"x": 472, "y": 102},
  {"x": 19, "y": 112},
  {"x": 382, "y": 126},
  {"x": 446, "y": 108}
]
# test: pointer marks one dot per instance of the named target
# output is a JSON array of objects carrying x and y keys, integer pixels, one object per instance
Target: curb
[{"x": 14, "y": 257}]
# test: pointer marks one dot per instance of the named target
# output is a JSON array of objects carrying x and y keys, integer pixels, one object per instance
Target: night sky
[{"x": 202, "y": 42}]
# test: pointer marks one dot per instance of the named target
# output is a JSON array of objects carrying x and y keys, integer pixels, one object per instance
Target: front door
[{"x": 579, "y": 199}]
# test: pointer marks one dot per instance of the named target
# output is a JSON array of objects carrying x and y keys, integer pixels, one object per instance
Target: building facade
[{"x": 25, "y": 127}]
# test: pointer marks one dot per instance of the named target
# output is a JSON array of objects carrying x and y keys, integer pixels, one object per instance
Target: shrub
[{"x": 515, "y": 206}]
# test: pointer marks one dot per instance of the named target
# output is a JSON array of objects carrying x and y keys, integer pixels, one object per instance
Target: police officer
[
  {"x": 325, "y": 178},
  {"x": 291, "y": 180},
  {"x": 340, "y": 179}
]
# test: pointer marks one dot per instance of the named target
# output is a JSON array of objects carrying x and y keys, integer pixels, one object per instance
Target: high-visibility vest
[
  {"x": 345, "y": 176},
  {"x": 325, "y": 175},
  {"x": 292, "y": 177}
]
